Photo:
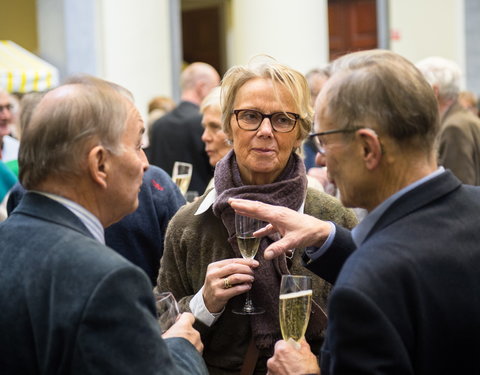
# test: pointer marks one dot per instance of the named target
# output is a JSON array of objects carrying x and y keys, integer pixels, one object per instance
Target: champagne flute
[
  {"x": 167, "y": 310},
  {"x": 248, "y": 246},
  {"x": 295, "y": 307},
  {"x": 181, "y": 175}
]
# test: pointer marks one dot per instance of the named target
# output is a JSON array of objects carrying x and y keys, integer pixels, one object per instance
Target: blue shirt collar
[
  {"x": 86, "y": 217},
  {"x": 360, "y": 232}
]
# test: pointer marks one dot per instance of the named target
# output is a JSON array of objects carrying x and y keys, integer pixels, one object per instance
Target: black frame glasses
[
  {"x": 319, "y": 143},
  {"x": 272, "y": 117}
]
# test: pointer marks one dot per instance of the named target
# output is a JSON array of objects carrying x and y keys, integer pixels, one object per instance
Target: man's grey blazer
[{"x": 70, "y": 305}]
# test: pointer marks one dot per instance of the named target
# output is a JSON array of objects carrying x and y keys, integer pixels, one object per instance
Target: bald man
[
  {"x": 71, "y": 305},
  {"x": 177, "y": 135}
]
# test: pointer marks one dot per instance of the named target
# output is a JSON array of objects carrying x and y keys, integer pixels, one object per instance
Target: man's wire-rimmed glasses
[
  {"x": 320, "y": 143},
  {"x": 250, "y": 120}
]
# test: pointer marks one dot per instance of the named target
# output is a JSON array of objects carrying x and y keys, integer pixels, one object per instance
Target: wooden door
[
  {"x": 352, "y": 26},
  {"x": 201, "y": 36}
]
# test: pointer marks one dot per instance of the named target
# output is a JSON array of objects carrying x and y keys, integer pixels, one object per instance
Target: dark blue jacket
[{"x": 407, "y": 301}]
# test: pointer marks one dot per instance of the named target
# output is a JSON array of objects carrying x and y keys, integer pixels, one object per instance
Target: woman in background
[{"x": 216, "y": 142}]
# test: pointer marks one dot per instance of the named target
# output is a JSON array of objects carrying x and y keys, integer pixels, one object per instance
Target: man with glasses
[
  {"x": 405, "y": 299},
  {"x": 8, "y": 145},
  {"x": 8, "y": 152}
]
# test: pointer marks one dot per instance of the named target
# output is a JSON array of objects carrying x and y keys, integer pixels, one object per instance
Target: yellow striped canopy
[{"x": 21, "y": 71}]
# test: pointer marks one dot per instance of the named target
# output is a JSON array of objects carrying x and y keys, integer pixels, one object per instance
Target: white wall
[
  {"x": 124, "y": 41},
  {"x": 428, "y": 28},
  {"x": 293, "y": 32},
  {"x": 51, "y": 33},
  {"x": 135, "y": 50}
]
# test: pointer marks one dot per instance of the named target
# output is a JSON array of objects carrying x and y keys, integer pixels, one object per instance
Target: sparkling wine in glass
[
  {"x": 181, "y": 175},
  {"x": 248, "y": 246},
  {"x": 295, "y": 306}
]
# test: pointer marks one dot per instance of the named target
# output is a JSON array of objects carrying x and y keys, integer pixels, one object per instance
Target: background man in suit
[
  {"x": 406, "y": 299},
  {"x": 459, "y": 148},
  {"x": 177, "y": 135},
  {"x": 71, "y": 305}
]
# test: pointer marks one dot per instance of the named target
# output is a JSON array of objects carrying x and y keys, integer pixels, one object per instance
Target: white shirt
[{"x": 10, "y": 148}]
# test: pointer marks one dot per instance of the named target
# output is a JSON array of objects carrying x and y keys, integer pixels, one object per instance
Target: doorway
[
  {"x": 352, "y": 26},
  {"x": 203, "y": 33}
]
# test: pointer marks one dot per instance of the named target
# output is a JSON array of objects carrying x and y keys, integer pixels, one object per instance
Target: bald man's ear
[
  {"x": 98, "y": 165},
  {"x": 371, "y": 147}
]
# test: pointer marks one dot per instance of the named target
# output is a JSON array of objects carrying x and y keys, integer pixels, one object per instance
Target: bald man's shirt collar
[{"x": 86, "y": 217}]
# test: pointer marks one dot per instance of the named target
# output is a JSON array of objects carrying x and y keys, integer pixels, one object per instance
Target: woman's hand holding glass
[
  {"x": 225, "y": 279},
  {"x": 248, "y": 245}
]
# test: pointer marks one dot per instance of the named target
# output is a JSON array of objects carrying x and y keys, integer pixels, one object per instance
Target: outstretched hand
[{"x": 296, "y": 230}]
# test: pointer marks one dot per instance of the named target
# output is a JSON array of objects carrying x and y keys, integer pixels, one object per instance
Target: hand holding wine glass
[
  {"x": 295, "y": 306},
  {"x": 183, "y": 327},
  {"x": 248, "y": 246}
]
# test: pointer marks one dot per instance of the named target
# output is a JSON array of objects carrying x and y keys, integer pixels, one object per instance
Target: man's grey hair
[
  {"x": 66, "y": 124},
  {"x": 442, "y": 73},
  {"x": 384, "y": 91}
]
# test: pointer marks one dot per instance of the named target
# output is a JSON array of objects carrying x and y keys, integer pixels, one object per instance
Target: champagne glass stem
[{"x": 248, "y": 307}]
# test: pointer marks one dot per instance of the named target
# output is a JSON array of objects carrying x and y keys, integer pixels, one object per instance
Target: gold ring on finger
[{"x": 226, "y": 283}]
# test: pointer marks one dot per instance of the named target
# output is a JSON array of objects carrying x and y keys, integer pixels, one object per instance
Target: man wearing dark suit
[
  {"x": 177, "y": 135},
  {"x": 139, "y": 235},
  {"x": 459, "y": 138},
  {"x": 71, "y": 305},
  {"x": 405, "y": 298}
]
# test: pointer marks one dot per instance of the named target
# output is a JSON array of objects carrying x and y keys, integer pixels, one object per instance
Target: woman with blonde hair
[{"x": 266, "y": 114}]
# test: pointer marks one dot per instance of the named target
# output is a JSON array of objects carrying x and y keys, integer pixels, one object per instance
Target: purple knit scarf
[{"x": 288, "y": 190}]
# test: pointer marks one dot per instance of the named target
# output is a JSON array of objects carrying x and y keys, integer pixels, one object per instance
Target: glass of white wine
[
  {"x": 295, "y": 306},
  {"x": 181, "y": 175},
  {"x": 248, "y": 246}
]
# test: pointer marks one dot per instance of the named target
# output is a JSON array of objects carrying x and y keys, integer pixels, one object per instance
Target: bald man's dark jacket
[{"x": 70, "y": 305}]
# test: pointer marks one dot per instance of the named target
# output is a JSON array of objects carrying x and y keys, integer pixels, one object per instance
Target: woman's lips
[{"x": 263, "y": 150}]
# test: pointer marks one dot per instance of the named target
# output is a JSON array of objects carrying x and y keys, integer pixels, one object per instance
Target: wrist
[{"x": 322, "y": 235}]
